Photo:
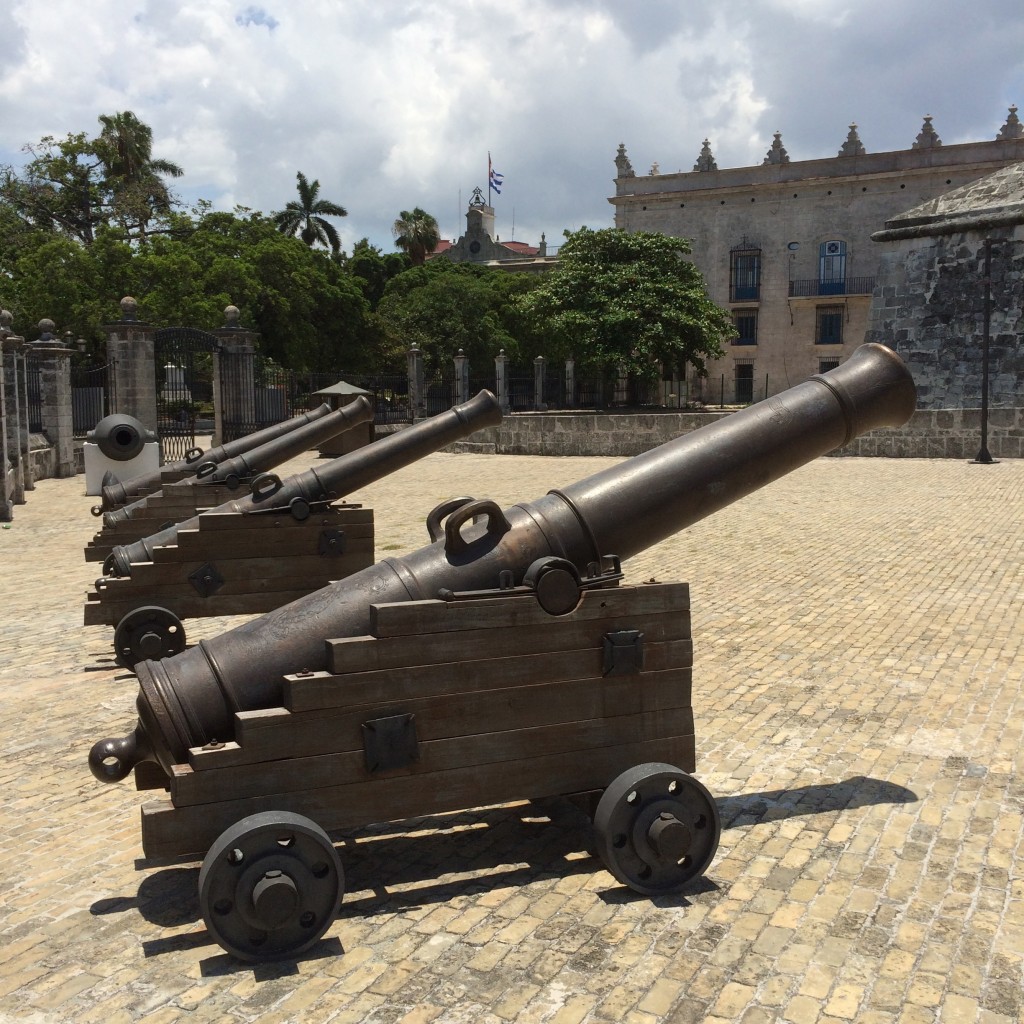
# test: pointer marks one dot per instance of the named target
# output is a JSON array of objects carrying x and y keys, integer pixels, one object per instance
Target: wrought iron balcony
[{"x": 811, "y": 287}]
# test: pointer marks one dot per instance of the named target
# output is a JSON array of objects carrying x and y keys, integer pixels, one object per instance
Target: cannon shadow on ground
[{"x": 397, "y": 866}]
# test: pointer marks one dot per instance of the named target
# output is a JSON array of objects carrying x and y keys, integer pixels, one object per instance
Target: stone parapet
[{"x": 930, "y": 434}]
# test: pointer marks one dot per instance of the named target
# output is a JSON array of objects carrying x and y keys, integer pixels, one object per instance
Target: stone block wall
[
  {"x": 930, "y": 307},
  {"x": 930, "y": 434}
]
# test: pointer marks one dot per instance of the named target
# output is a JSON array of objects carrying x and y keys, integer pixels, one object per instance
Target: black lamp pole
[{"x": 984, "y": 457}]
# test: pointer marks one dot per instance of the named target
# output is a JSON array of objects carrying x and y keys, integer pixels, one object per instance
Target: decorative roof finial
[
  {"x": 1013, "y": 129},
  {"x": 705, "y": 162},
  {"x": 655, "y": 169},
  {"x": 927, "y": 137},
  {"x": 777, "y": 154},
  {"x": 852, "y": 146},
  {"x": 625, "y": 168}
]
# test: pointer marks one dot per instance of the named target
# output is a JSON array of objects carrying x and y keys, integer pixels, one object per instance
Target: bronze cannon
[
  {"x": 325, "y": 713},
  {"x": 256, "y": 552},
  {"x": 232, "y": 470},
  {"x": 120, "y": 437},
  {"x": 121, "y": 493}
]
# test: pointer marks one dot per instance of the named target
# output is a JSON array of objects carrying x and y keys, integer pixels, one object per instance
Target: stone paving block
[{"x": 859, "y": 704}]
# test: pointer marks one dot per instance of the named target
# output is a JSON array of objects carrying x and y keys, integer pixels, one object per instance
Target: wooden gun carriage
[
  {"x": 502, "y": 661},
  {"x": 472, "y": 699},
  {"x": 255, "y": 553},
  {"x": 228, "y": 563}
]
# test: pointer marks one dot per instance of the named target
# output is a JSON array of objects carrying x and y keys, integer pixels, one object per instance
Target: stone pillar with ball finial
[
  {"x": 131, "y": 355},
  {"x": 53, "y": 361},
  {"x": 234, "y": 380}
]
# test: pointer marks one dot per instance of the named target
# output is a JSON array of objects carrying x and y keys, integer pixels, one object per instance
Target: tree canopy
[
  {"x": 416, "y": 234},
  {"x": 306, "y": 216},
  {"x": 628, "y": 301},
  {"x": 75, "y": 185},
  {"x": 444, "y": 307}
]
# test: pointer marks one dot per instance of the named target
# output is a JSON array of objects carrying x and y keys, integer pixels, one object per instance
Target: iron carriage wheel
[
  {"x": 657, "y": 828},
  {"x": 147, "y": 634},
  {"x": 270, "y": 886}
]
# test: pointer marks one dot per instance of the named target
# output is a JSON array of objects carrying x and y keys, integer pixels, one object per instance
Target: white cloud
[{"x": 395, "y": 104}]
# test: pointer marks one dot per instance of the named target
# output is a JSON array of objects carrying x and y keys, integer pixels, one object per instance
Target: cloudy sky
[{"x": 397, "y": 104}]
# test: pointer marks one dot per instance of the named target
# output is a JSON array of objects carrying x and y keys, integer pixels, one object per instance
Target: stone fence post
[
  {"x": 417, "y": 391},
  {"x": 131, "y": 354},
  {"x": 54, "y": 362},
  {"x": 539, "y": 366},
  {"x": 15, "y": 454},
  {"x": 501, "y": 381},
  {"x": 461, "y": 378},
  {"x": 234, "y": 380}
]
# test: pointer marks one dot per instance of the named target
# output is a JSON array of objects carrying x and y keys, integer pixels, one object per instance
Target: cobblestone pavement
[{"x": 859, "y": 711}]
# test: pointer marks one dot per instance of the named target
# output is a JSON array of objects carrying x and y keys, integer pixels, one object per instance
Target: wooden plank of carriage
[
  {"x": 169, "y": 831},
  {"x": 271, "y": 734},
  {"x": 514, "y": 608},
  {"x": 255, "y": 520},
  {"x": 361, "y": 654},
  {"x": 444, "y": 752},
  {"x": 205, "y": 544}
]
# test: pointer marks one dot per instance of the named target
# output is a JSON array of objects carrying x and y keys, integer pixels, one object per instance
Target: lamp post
[{"x": 984, "y": 457}]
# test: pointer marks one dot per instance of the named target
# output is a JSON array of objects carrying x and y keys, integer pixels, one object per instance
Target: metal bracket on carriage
[{"x": 555, "y": 582}]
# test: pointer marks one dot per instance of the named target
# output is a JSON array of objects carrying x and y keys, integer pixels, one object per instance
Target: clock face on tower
[{"x": 474, "y": 247}]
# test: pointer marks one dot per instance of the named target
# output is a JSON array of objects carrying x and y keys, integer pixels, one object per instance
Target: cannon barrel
[
  {"x": 338, "y": 477},
  {"x": 122, "y": 492},
  {"x": 120, "y": 437},
  {"x": 264, "y": 457},
  {"x": 190, "y": 699}
]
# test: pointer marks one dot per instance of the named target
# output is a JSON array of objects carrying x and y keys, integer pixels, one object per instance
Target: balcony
[{"x": 811, "y": 287}]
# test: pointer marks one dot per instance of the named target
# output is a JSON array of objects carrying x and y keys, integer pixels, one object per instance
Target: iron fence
[
  {"x": 34, "y": 393},
  {"x": 90, "y": 397}
]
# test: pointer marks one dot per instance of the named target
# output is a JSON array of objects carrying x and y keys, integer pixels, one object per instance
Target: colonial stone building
[
  {"x": 479, "y": 244},
  {"x": 951, "y": 275},
  {"x": 787, "y": 246}
]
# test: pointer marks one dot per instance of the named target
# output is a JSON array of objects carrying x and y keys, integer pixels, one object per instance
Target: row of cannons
[{"x": 507, "y": 659}]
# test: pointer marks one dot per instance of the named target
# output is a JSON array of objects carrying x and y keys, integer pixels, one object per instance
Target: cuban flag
[{"x": 494, "y": 179}]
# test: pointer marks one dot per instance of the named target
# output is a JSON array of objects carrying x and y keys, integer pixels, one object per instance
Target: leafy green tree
[
  {"x": 73, "y": 186},
  {"x": 61, "y": 188},
  {"x": 125, "y": 146},
  {"x": 628, "y": 301},
  {"x": 444, "y": 307},
  {"x": 372, "y": 269},
  {"x": 416, "y": 234},
  {"x": 305, "y": 216}
]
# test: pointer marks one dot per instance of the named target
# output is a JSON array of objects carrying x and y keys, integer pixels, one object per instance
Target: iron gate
[{"x": 184, "y": 387}]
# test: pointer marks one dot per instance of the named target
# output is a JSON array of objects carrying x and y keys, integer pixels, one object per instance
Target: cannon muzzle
[
  {"x": 190, "y": 699},
  {"x": 231, "y": 472},
  {"x": 120, "y": 437},
  {"x": 337, "y": 478},
  {"x": 121, "y": 492}
]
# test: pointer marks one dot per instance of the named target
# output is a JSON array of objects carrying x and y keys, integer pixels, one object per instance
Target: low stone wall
[
  {"x": 946, "y": 434},
  {"x": 930, "y": 434}
]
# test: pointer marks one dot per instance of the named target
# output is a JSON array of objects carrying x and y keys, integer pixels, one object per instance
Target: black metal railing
[
  {"x": 34, "y": 393},
  {"x": 811, "y": 287},
  {"x": 90, "y": 397}
]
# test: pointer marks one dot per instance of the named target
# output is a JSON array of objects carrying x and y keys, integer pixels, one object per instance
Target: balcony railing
[{"x": 812, "y": 286}]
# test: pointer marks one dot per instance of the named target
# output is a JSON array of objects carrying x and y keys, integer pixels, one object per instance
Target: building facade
[
  {"x": 786, "y": 246},
  {"x": 479, "y": 244}
]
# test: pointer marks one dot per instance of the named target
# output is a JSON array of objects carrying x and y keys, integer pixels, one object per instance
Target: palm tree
[
  {"x": 416, "y": 234},
  {"x": 305, "y": 217},
  {"x": 125, "y": 148}
]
